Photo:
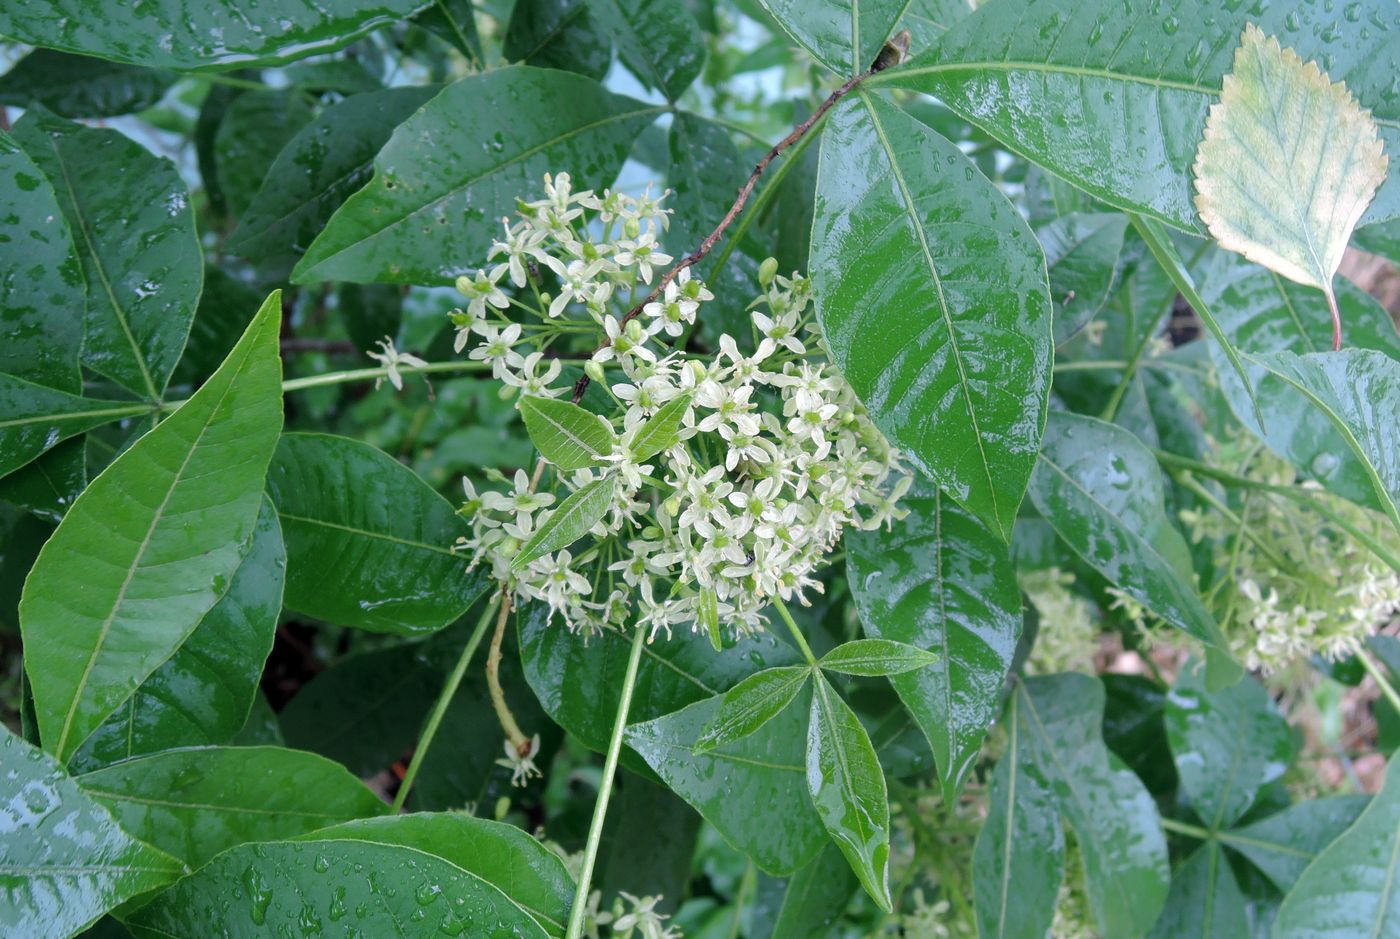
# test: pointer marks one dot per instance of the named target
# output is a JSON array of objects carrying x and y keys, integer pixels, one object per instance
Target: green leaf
[
  {"x": 875, "y": 658},
  {"x": 661, "y": 431},
  {"x": 426, "y": 220},
  {"x": 453, "y": 21},
  {"x": 576, "y": 682},
  {"x": 932, "y": 293},
  {"x": 659, "y": 41},
  {"x": 36, "y": 417},
  {"x": 1205, "y": 899},
  {"x": 566, "y": 435},
  {"x": 1288, "y": 164},
  {"x": 199, "y": 801},
  {"x": 1018, "y": 861},
  {"x": 845, "y": 36},
  {"x": 1082, "y": 254},
  {"x": 1227, "y": 744},
  {"x": 201, "y": 695},
  {"x": 47, "y": 485},
  {"x": 1285, "y": 843},
  {"x": 250, "y": 136},
  {"x": 503, "y": 855},
  {"x": 569, "y": 521},
  {"x": 64, "y": 861},
  {"x": 1113, "y": 816},
  {"x": 560, "y": 34},
  {"x": 1101, "y": 490},
  {"x": 1350, "y": 389},
  {"x": 77, "y": 86},
  {"x": 1351, "y": 888},
  {"x": 1262, "y": 312},
  {"x": 706, "y": 172},
  {"x": 133, "y": 226},
  {"x": 1113, "y": 96},
  {"x": 630, "y": 855},
  {"x": 847, "y": 787},
  {"x": 752, "y": 790},
  {"x": 814, "y": 897},
  {"x": 200, "y": 34},
  {"x": 384, "y": 564},
  {"x": 157, "y": 538},
  {"x": 41, "y": 280},
  {"x": 317, "y": 171},
  {"x": 939, "y": 580},
  {"x": 318, "y": 886},
  {"x": 752, "y": 703},
  {"x": 365, "y": 710}
]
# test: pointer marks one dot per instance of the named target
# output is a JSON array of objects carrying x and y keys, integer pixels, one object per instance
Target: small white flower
[
  {"x": 482, "y": 290},
  {"x": 391, "y": 359},
  {"x": 498, "y": 348},
  {"x": 642, "y": 251},
  {"x": 521, "y": 764}
]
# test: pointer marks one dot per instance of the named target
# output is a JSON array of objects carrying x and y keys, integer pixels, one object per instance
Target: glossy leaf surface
[
  {"x": 41, "y": 280},
  {"x": 1101, "y": 490},
  {"x": 752, "y": 703},
  {"x": 1019, "y": 859},
  {"x": 196, "y": 802},
  {"x": 706, "y": 172},
  {"x": 159, "y": 535},
  {"x": 939, "y": 580},
  {"x": 1113, "y": 816},
  {"x": 64, "y": 861},
  {"x": 38, "y": 417},
  {"x": 1351, "y": 389},
  {"x": 1113, "y": 96},
  {"x": 430, "y": 212},
  {"x": 201, "y": 695},
  {"x": 78, "y": 86},
  {"x": 845, "y": 36},
  {"x": 1205, "y": 899},
  {"x": 1227, "y": 744},
  {"x": 874, "y": 658},
  {"x": 1285, "y": 843},
  {"x": 1351, "y": 888},
  {"x": 568, "y": 521},
  {"x": 403, "y": 536},
  {"x": 566, "y": 435},
  {"x": 255, "y": 890},
  {"x": 133, "y": 227},
  {"x": 318, "y": 169},
  {"x": 949, "y": 349},
  {"x": 847, "y": 787},
  {"x": 658, "y": 39},
  {"x": 752, "y": 790},
  {"x": 525, "y": 870},
  {"x": 559, "y": 34},
  {"x": 578, "y": 684},
  {"x": 1082, "y": 253},
  {"x": 1261, "y": 312},
  {"x": 177, "y": 34}
]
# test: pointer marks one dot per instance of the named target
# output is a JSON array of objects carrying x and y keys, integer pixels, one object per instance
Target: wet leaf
[
  {"x": 568, "y": 521},
  {"x": 38, "y": 417},
  {"x": 78, "y": 86},
  {"x": 133, "y": 227},
  {"x": 64, "y": 861},
  {"x": 1288, "y": 165},
  {"x": 939, "y": 580},
  {"x": 158, "y": 536},
  {"x": 1082, "y": 254},
  {"x": 845, "y": 36},
  {"x": 426, "y": 219},
  {"x": 847, "y": 787},
  {"x": 874, "y": 658},
  {"x": 404, "y": 536},
  {"x": 1205, "y": 899},
  {"x": 566, "y": 435},
  {"x": 752, "y": 703},
  {"x": 932, "y": 294},
  {"x": 196, "y": 802},
  {"x": 659, "y": 41},
  {"x": 1285, "y": 843}
]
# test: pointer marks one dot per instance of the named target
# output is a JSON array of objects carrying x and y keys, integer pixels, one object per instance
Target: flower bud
[
  {"x": 634, "y": 331},
  {"x": 464, "y": 285},
  {"x": 506, "y": 392},
  {"x": 673, "y": 505},
  {"x": 651, "y": 533},
  {"x": 594, "y": 370},
  {"x": 767, "y": 271}
]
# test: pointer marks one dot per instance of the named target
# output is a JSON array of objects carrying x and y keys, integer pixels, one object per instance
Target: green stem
[
  {"x": 366, "y": 374},
  {"x": 449, "y": 690},
  {"x": 1379, "y": 678},
  {"x": 1181, "y": 828},
  {"x": 600, "y": 808},
  {"x": 796, "y": 633}
]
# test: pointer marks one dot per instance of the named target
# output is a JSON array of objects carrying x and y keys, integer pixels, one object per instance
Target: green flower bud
[
  {"x": 464, "y": 285},
  {"x": 594, "y": 370},
  {"x": 506, "y": 392},
  {"x": 767, "y": 271},
  {"x": 634, "y": 331},
  {"x": 673, "y": 505}
]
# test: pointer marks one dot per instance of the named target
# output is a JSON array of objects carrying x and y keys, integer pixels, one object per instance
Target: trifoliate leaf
[{"x": 1288, "y": 164}]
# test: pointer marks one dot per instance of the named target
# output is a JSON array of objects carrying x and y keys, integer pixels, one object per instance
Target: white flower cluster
[
  {"x": 1316, "y": 590},
  {"x": 1068, "y": 636},
  {"x": 772, "y": 458}
]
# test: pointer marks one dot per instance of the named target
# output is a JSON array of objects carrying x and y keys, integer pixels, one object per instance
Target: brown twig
[{"x": 745, "y": 191}]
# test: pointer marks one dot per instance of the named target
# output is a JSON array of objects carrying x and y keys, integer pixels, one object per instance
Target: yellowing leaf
[{"x": 1288, "y": 164}]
